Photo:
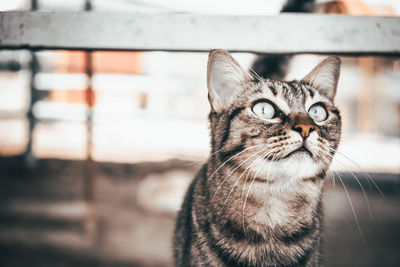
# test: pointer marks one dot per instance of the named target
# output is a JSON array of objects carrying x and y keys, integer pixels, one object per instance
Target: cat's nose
[{"x": 304, "y": 129}]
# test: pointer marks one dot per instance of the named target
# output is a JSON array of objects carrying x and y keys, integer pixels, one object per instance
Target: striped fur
[{"x": 257, "y": 201}]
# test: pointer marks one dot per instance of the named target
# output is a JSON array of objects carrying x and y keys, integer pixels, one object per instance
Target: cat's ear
[
  {"x": 324, "y": 77},
  {"x": 225, "y": 79}
]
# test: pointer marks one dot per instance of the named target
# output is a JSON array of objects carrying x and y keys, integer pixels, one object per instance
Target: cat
[{"x": 257, "y": 200}]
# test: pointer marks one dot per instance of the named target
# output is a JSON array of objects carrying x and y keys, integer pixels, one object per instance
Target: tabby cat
[{"x": 257, "y": 201}]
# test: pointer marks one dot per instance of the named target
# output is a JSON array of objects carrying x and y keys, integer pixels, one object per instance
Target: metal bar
[
  {"x": 89, "y": 182},
  {"x": 34, "y": 5},
  {"x": 29, "y": 156},
  {"x": 89, "y": 179},
  {"x": 89, "y": 176},
  {"x": 288, "y": 33}
]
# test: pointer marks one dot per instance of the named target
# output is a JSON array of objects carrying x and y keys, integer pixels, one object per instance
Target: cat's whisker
[
  {"x": 263, "y": 155},
  {"x": 359, "y": 167},
  {"x": 326, "y": 161},
  {"x": 331, "y": 172},
  {"x": 362, "y": 188},
  {"x": 347, "y": 193},
  {"x": 358, "y": 151},
  {"x": 198, "y": 161},
  {"x": 358, "y": 181},
  {"x": 194, "y": 162},
  {"x": 270, "y": 163},
  {"x": 364, "y": 172},
  {"x": 342, "y": 141},
  {"x": 237, "y": 154},
  {"x": 218, "y": 150},
  {"x": 226, "y": 176},
  {"x": 352, "y": 207},
  {"x": 240, "y": 176},
  {"x": 245, "y": 181},
  {"x": 273, "y": 162},
  {"x": 266, "y": 154},
  {"x": 237, "y": 180},
  {"x": 248, "y": 192},
  {"x": 256, "y": 75},
  {"x": 245, "y": 200}
]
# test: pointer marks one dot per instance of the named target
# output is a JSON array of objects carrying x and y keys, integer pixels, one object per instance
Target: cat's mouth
[{"x": 301, "y": 149}]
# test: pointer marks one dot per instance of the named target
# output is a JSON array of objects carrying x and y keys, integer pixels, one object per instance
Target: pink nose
[{"x": 304, "y": 129}]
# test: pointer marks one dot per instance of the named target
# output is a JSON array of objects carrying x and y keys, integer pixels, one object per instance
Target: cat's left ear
[
  {"x": 324, "y": 77},
  {"x": 225, "y": 79}
]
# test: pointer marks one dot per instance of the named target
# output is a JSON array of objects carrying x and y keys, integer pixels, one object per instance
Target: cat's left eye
[
  {"x": 264, "y": 110},
  {"x": 318, "y": 113}
]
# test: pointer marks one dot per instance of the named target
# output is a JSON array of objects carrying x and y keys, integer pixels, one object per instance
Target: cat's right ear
[
  {"x": 325, "y": 76},
  {"x": 225, "y": 79}
]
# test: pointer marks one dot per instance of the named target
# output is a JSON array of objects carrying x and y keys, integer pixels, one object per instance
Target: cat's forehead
[{"x": 293, "y": 95}]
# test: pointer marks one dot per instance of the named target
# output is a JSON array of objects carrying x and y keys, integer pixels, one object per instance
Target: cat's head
[{"x": 276, "y": 129}]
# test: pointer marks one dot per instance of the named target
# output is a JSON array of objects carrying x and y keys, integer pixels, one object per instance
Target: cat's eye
[
  {"x": 264, "y": 110},
  {"x": 318, "y": 113}
]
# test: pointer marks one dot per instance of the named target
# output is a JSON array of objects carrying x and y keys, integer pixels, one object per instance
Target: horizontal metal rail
[{"x": 294, "y": 33}]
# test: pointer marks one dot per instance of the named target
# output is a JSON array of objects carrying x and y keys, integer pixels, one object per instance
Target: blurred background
[{"x": 97, "y": 148}]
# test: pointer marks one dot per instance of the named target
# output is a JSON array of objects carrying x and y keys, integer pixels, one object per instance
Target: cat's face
[{"x": 279, "y": 131}]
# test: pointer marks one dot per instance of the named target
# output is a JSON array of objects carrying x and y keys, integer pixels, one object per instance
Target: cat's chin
[{"x": 298, "y": 166}]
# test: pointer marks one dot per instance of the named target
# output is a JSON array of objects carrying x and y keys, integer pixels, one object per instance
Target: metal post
[
  {"x": 29, "y": 158},
  {"x": 34, "y": 5},
  {"x": 89, "y": 178}
]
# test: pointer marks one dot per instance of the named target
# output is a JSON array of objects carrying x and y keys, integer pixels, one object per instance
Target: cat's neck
[
  {"x": 262, "y": 217},
  {"x": 265, "y": 202}
]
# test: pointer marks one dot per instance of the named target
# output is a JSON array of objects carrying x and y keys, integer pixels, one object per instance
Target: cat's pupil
[{"x": 264, "y": 110}]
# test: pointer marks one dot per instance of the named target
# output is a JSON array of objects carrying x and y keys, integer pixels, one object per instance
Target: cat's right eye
[
  {"x": 318, "y": 113},
  {"x": 264, "y": 110}
]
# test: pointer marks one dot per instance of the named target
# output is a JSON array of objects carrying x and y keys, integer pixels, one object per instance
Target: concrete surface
[{"x": 44, "y": 220}]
